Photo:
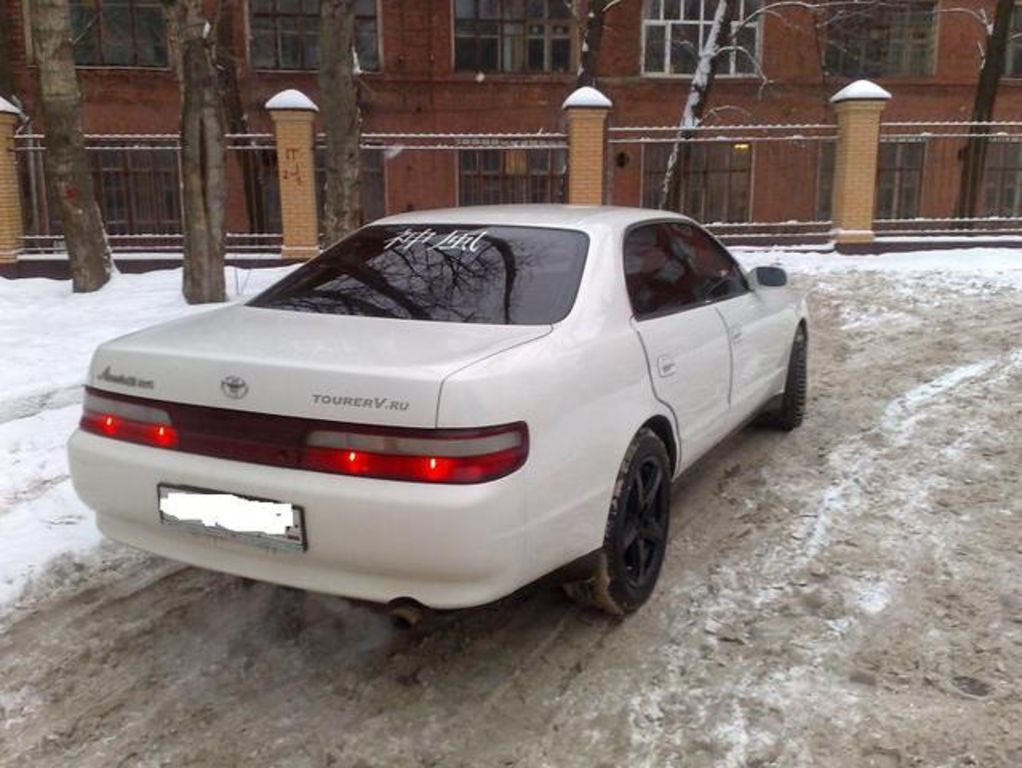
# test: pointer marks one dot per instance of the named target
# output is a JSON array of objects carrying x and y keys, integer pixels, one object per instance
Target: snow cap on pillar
[
  {"x": 6, "y": 108},
  {"x": 587, "y": 97},
  {"x": 292, "y": 99},
  {"x": 861, "y": 90}
]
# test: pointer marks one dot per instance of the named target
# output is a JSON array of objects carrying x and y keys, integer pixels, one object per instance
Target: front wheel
[{"x": 635, "y": 540}]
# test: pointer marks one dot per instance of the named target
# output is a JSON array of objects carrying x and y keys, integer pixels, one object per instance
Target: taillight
[
  {"x": 132, "y": 422},
  {"x": 434, "y": 456}
]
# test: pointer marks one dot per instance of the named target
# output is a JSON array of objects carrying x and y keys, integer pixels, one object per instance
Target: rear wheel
[
  {"x": 635, "y": 540},
  {"x": 791, "y": 412}
]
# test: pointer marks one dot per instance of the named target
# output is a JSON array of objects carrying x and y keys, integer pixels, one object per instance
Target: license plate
[{"x": 259, "y": 522}]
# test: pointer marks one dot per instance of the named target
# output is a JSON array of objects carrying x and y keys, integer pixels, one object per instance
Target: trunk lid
[{"x": 335, "y": 367}]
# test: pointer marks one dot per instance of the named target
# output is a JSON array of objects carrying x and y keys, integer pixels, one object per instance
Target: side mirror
[{"x": 769, "y": 277}]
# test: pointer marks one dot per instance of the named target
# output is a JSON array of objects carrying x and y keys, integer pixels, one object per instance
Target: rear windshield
[{"x": 467, "y": 274}]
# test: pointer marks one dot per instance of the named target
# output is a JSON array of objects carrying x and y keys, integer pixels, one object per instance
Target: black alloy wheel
[
  {"x": 635, "y": 540},
  {"x": 643, "y": 540}
]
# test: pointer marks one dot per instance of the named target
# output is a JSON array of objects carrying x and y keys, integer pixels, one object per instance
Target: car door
[
  {"x": 685, "y": 339},
  {"x": 757, "y": 331}
]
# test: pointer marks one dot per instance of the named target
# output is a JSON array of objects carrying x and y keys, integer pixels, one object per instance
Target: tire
[
  {"x": 635, "y": 540},
  {"x": 792, "y": 410}
]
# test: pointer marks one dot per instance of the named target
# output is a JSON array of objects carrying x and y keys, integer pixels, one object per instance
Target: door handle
[
  {"x": 736, "y": 335},
  {"x": 665, "y": 366}
]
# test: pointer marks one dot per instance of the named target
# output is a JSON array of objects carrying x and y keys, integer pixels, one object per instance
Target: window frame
[
  {"x": 1014, "y": 52},
  {"x": 898, "y": 173},
  {"x": 99, "y": 36},
  {"x": 685, "y": 307},
  {"x": 862, "y": 61},
  {"x": 728, "y": 173},
  {"x": 730, "y": 72},
  {"x": 555, "y": 182},
  {"x": 547, "y": 20},
  {"x": 250, "y": 15},
  {"x": 997, "y": 176}
]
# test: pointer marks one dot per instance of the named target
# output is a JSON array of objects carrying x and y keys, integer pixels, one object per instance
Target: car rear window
[{"x": 469, "y": 274}]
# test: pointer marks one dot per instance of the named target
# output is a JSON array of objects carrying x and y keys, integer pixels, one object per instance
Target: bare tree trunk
[
  {"x": 591, "y": 21},
  {"x": 974, "y": 156},
  {"x": 718, "y": 36},
  {"x": 237, "y": 122},
  {"x": 338, "y": 89},
  {"x": 68, "y": 174},
  {"x": 202, "y": 153}
]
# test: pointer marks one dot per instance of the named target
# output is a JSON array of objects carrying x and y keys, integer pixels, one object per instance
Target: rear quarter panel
[{"x": 584, "y": 391}]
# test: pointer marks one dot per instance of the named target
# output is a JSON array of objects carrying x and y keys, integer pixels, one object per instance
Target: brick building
[{"x": 455, "y": 66}]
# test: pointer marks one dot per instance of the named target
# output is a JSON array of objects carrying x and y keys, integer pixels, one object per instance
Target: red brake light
[
  {"x": 132, "y": 422},
  {"x": 434, "y": 456}
]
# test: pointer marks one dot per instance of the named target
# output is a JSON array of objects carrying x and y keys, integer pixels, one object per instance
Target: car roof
[{"x": 582, "y": 217}]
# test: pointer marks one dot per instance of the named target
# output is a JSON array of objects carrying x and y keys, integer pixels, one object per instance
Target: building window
[
  {"x": 118, "y": 33},
  {"x": 495, "y": 176},
  {"x": 899, "y": 179},
  {"x": 512, "y": 35},
  {"x": 138, "y": 191},
  {"x": 674, "y": 32},
  {"x": 285, "y": 34},
  {"x": 890, "y": 40},
  {"x": 1002, "y": 179},
  {"x": 715, "y": 183},
  {"x": 1014, "y": 64}
]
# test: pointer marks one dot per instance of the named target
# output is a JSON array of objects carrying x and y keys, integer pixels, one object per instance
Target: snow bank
[{"x": 49, "y": 335}]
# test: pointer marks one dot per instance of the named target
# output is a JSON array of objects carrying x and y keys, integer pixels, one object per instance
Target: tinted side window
[
  {"x": 717, "y": 275},
  {"x": 658, "y": 271}
]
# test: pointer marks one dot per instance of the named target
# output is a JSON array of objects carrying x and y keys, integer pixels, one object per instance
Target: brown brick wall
[{"x": 417, "y": 90}]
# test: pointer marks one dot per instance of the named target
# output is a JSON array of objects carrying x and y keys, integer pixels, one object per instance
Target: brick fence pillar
[
  {"x": 587, "y": 111},
  {"x": 858, "y": 109},
  {"x": 10, "y": 191},
  {"x": 293, "y": 114}
]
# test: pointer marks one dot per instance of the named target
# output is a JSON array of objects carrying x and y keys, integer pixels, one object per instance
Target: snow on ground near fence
[{"x": 49, "y": 335}]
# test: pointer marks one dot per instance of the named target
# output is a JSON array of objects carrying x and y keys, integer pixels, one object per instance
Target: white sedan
[{"x": 445, "y": 406}]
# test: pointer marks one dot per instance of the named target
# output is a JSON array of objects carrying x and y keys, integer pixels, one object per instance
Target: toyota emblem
[{"x": 234, "y": 387}]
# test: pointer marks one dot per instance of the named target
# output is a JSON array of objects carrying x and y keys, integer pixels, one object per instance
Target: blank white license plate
[{"x": 260, "y": 522}]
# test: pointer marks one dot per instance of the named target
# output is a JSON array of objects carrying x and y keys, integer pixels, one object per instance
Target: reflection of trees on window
[
  {"x": 1002, "y": 179},
  {"x": 118, "y": 33},
  {"x": 674, "y": 31},
  {"x": 715, "y": 182},
  {"x": 285, "y": 34},
  {"x": 882, "y": 39},
  {"x": 494, "y": 275},
  {"x": 512, "y": 35},
  {"x": 499, "y": 176}
]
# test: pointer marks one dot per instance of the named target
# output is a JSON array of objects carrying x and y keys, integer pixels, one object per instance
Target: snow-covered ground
[
  {"x": 846, "y": 595},
  {"x": 48, "y": 337}
]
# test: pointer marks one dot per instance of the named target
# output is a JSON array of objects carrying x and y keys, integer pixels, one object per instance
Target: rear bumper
[{"x": 447, "y": 546}]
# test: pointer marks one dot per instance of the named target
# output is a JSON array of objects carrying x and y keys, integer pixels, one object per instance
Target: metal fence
[
  {"x": 749, "y": 183},
  {"x": 137, "y": 182},
  {"x": 746, "y": 182},
  {"x": 136, "y": 179},
  {"x": 919, "y": 174}
]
